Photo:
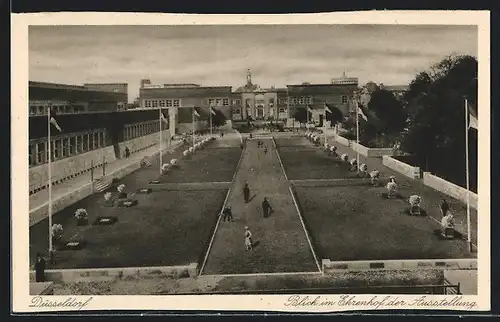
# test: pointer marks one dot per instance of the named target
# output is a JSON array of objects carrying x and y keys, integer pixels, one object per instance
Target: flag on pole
[
  {"x": 54, "y": 122},
  {"x": 195, "y": 112},
  {"x": 162, "y": 117},
  {"x": 327, "y": 109},
  {"x": 360, "y": 112},
  {"x": 472, "y": 118},
  {"x": 212, "y": 111}
]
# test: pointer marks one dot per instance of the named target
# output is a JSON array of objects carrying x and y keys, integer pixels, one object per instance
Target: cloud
[{"x": 219, "y": 55}]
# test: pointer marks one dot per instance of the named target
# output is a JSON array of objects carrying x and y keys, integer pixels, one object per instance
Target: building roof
[
  {"x": 185, "y": 92},
  {"x": 40, "y": 91}
]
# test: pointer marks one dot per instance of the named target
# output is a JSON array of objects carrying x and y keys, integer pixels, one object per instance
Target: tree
[
  {"x": 435, "y": 106},
  {"x": 218, "y": 120},
  {"x": 391, "y": 117},
  {"x": 300, "y": 114},
  {"x": 335, "y": 116}
]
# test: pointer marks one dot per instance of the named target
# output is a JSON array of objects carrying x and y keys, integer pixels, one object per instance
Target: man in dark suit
[
  {"x": 39, "y": 268},
  {"x": 227, "y": 214},
  {"x": 246, "y": 192},
  {"x": 266, "y": 208}
]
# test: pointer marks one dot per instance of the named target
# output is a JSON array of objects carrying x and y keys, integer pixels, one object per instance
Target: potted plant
[
  {"x": 57, "y": 233},
  {"x": 82, "y": 217},
  {"x": 121, "y": 191}
]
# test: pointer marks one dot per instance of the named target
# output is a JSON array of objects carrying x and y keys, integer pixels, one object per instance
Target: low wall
[
  {"x": 449, "y": 188},
  {"x": 41, "y": 212},
  {"x": 42, "y": 288},
  {"x": 401, "y": 167},
  {"x": 445, "y": 264},
  {"x": 342, "y": 140},
  {"x": 371, "y": 152},
  {"x": 110, "y": 274}
]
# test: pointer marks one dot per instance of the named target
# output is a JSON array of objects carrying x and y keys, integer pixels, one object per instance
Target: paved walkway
[
  {"x": 430, "y": 197},
  {"x": 280, "y": 241},
  {"x": 41, "y": 198}
]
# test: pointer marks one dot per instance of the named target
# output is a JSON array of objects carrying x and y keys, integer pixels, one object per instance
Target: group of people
[{"x": 227, "y": 215}]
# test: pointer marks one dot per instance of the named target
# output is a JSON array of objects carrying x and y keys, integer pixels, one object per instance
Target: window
[
  {"x": 236, "y": 111},
  {"x": 147, "y": 103},
  {"x": 85, "y": 139},
  {"x": 72, "y": 145},
  {"x": 57, "y": 149},
  {"x": 79, "y": 144},
  {"x": 169, "y": 103},
  {"x": 225, "y": 102},
  {"x": 154, "y": 103},
  {"x": 344, "y": 99},
  {"x": 211, "y": 102},
  {"x": 271, "y": 102},
  {"x": 96, "y": 140},
  {"x": 218, "y": 102},
  {"x": 102, "y": 139},
  {"x": 65, "y": 148},
  {"x": 282, "y": 110},
  {"x": 309, "y": 100},
  {"x": 40, "y": 158},
  {"x": 33, "y": 110},
  {"x": 162, "y": 103},
  {"x": 41, "y": 110},
  {"x": 176, "y": 103},
  {"x": 294, "y": 100}
]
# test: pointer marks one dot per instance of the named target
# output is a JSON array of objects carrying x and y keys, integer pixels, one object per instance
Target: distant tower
[
  {"x": 249, "y": 77},
  {"x": 145, "y": 82}
]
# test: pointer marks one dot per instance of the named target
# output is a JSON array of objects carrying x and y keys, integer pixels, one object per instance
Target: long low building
[
  {"x": 94, "y": 129},
  {"x": 251, "y": 102}
]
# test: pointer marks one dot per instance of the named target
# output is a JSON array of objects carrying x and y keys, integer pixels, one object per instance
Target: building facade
[{"x": 250, "y": 101}]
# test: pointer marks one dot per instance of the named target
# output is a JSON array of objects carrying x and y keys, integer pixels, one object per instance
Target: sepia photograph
[{"x": 332, "y": 164}]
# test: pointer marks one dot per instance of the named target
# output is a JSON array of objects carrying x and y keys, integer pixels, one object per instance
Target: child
[{"x": 248, "y": 239}]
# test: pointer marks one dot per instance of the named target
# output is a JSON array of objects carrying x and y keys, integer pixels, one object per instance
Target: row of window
[
  {"x": 271, "y": 111},
  {"x": 218, "y": 101},
  {"x": 59, "y": 109},
  {"x": 162, "y": 103},
  {"x": 65, "y": 146},
  {"x": 133, "y": 131},
  {"x": 302, "y": 100}
]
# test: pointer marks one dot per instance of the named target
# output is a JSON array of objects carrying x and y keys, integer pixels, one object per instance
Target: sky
[{"x": 220, "y": 55}]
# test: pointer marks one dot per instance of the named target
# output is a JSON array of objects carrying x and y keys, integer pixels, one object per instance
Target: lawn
[
  {"x": 165, "y": 228},
  {"x": 312, "y": 163},
  {"x": 354, "y": 223},
  {"x": 212, "y": 164}
]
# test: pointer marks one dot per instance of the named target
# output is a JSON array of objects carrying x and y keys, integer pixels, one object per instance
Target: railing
[{"x": 379, "y": 289}]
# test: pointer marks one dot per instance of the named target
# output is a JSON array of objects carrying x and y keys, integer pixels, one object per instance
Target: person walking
[
  {"x": 248, "y": 239},
  {"x": 39, "y": 268},
  {"x": 266, "y": 208},
  {"x": 444, "y": 207},
  {"x": 227, "y": 214},
  {"x": 246, "y": 192},
  {"x": 127, "y": 152}
]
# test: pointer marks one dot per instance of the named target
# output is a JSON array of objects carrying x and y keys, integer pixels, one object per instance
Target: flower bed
[
  {"x": 74, "y": 245},
  {"x": 105, "y": 220},
  {"x": 126, "y": 203}
]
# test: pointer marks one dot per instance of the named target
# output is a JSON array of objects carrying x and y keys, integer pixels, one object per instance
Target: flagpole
[
  {"x": 161, "y": 156},
  {"x": 51, "y": 250},
  {"x": 193, "y": 127},
  {"x": 210, "y": 107},
  {"x": 467, "y": 173},
  {"x": 357, "y": 135},
  {"x": 324, "y": 126}
]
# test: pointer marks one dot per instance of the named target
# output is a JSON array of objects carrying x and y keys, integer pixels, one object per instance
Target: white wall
[
  {"x": 449, "y": 188},
  {"x": 70, "y": 167},
  {"x": 401, "y": 167}
]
